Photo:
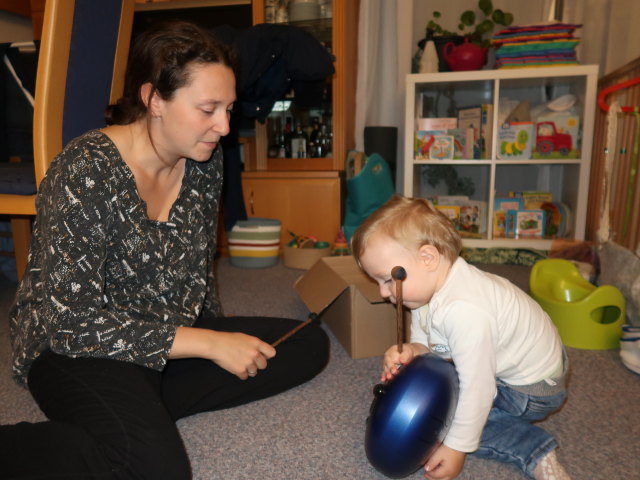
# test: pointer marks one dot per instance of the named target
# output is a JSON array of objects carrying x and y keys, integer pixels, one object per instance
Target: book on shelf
[
  {"x": 532, "y": 199},
  {"x": 480, "y": 118},
  {"x": 558, "y": 219},
  {"x": 515, "y": 140},
  {"x": 501, "y": 205},
  {"x": 452, "y": 212},
  {"x": 469, "y": 216},
  {"x": 442, "y": 147},
  {"x": 525, "y": 223},
  {"x": 557, "y": 216},
  {"x": 462, "y": 138},
  {"x": 436, "y": 123}
]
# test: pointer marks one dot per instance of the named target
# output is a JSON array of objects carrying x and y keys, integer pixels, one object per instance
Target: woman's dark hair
[{"x": 161, "y": 56}]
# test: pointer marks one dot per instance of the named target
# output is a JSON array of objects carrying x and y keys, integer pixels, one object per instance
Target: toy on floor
[
  {"x": 410, "y": 415},
  {"x": 586, "y": 316}
]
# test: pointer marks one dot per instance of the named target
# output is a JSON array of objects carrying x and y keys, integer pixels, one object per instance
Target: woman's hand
[
  {"x": 394, "y": 360},
  {"x": 238, "y": 353},
  {"x": 445, "y": 464}
]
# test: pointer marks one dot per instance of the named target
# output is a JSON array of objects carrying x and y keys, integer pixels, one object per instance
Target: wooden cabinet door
[{"x": 305, "y": 205}]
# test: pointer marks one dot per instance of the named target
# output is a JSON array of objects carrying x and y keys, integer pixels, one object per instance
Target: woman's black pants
[{"x": 111, "y": 419}]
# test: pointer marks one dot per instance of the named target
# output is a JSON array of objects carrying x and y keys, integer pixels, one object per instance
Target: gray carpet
[{"x": 316, "y": 431}]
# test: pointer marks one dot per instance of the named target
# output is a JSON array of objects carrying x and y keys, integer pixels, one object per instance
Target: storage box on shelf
[{"x": 532, "y": 137}]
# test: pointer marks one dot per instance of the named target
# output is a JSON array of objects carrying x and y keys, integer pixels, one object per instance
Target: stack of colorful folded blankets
[{"x": 536, "y": 46}]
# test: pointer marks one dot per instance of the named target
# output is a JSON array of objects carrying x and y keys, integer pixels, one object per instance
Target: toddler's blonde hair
[{"x": 412, "y": 222}]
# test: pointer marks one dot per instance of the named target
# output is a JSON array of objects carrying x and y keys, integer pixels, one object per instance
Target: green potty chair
[{"x": 586, "y": 316}]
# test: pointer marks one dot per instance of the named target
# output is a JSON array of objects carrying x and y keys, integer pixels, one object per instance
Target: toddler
[{"x": 508, "y": 355}]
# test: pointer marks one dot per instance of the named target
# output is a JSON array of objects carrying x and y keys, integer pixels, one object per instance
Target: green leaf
[
  {"x": 485, "y": 27},
  {"x": 436, "y": 14},
  {"x": 468, "y": 18},
  {"x": 485, "y": 6},
  {"x": 507, "y": 19},
  {"x": 498, "y": 17}
]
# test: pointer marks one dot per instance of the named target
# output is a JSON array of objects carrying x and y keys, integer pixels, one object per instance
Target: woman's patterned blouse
[{"x": 103, "y": 280}]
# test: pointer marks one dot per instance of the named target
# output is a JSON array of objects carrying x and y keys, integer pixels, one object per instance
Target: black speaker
[{"x": 384, "y": 142}]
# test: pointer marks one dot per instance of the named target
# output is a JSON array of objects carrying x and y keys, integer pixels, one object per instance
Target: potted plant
[{"x": 473, "y": 28}]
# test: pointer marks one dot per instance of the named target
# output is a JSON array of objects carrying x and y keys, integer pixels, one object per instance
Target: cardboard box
[
  {"x": 303, "y": 258},
  {"x": 350, "y": 305}
]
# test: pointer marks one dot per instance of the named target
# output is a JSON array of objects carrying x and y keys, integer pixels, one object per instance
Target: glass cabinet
[{"x": 318, "y": 136}]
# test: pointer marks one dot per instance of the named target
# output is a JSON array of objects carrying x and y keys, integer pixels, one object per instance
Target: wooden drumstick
[
  {"x": 399, "y": 274},
  {"x": 312, "y": 317}
]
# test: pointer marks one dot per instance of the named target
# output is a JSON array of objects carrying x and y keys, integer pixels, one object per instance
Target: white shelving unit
[{"x": 567, "y": 178}]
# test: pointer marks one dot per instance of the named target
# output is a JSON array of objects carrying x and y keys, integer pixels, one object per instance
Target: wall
[
  {"x": 610, "y": 36},
  {"x": 15, "y": 28},
  {"x": 524, "y": 12}
]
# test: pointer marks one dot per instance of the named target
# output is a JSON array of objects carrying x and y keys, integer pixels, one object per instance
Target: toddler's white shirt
[{"x": 491, "y": 329}]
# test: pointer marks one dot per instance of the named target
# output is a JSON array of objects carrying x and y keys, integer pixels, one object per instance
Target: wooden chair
[{"x": 83, "y": 57}]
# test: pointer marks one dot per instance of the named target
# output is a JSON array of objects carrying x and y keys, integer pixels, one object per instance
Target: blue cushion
[{"x": 90, "y": 67}]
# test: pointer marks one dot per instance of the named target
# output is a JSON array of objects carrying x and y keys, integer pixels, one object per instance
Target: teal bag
[{"x": 366, "y": 192}]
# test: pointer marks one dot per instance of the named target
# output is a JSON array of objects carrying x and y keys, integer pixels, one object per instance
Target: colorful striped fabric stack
[
  {"x": 254, "y": 243},
  {"x": 536, "y": 46}
]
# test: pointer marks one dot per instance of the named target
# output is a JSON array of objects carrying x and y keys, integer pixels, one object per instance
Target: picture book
[
  {"x": 470, "y": 223},
  {"x": 480, "y": 118},
  {"x": 525, "y": 223},
  {"x": 471, "y": 214},
  {"x": 557, "y": 135},
  {"x": 500, "y": 223},
  {"x": 532, "y": 200},
  {"x": 463, "y": 139},
  {"x": 501, "y": 206},
  {"x": 452, "y": 212},
  {"x": 442, "y": 147},
  {"x": 436, "y": 123},
  {"x": 515, "y": 140},
  {"x": 462, "y": 143},
  {"x": 471, "y": 117},
  {"x": 508, "y": 203}
]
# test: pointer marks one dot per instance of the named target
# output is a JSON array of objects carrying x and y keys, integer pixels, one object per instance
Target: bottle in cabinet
[{"x": 299, "y": 142}]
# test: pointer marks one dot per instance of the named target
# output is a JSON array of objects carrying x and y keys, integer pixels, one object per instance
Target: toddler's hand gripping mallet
[
  {"x": 312, "y": 318},
  {"x": 399, "y": 274}
]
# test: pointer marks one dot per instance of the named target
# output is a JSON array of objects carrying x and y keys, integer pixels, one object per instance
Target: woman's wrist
[{"x": 190, "y": 342}]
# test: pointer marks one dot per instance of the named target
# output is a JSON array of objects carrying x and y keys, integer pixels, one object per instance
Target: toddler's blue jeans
[{"x": 509, "y": 435}]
